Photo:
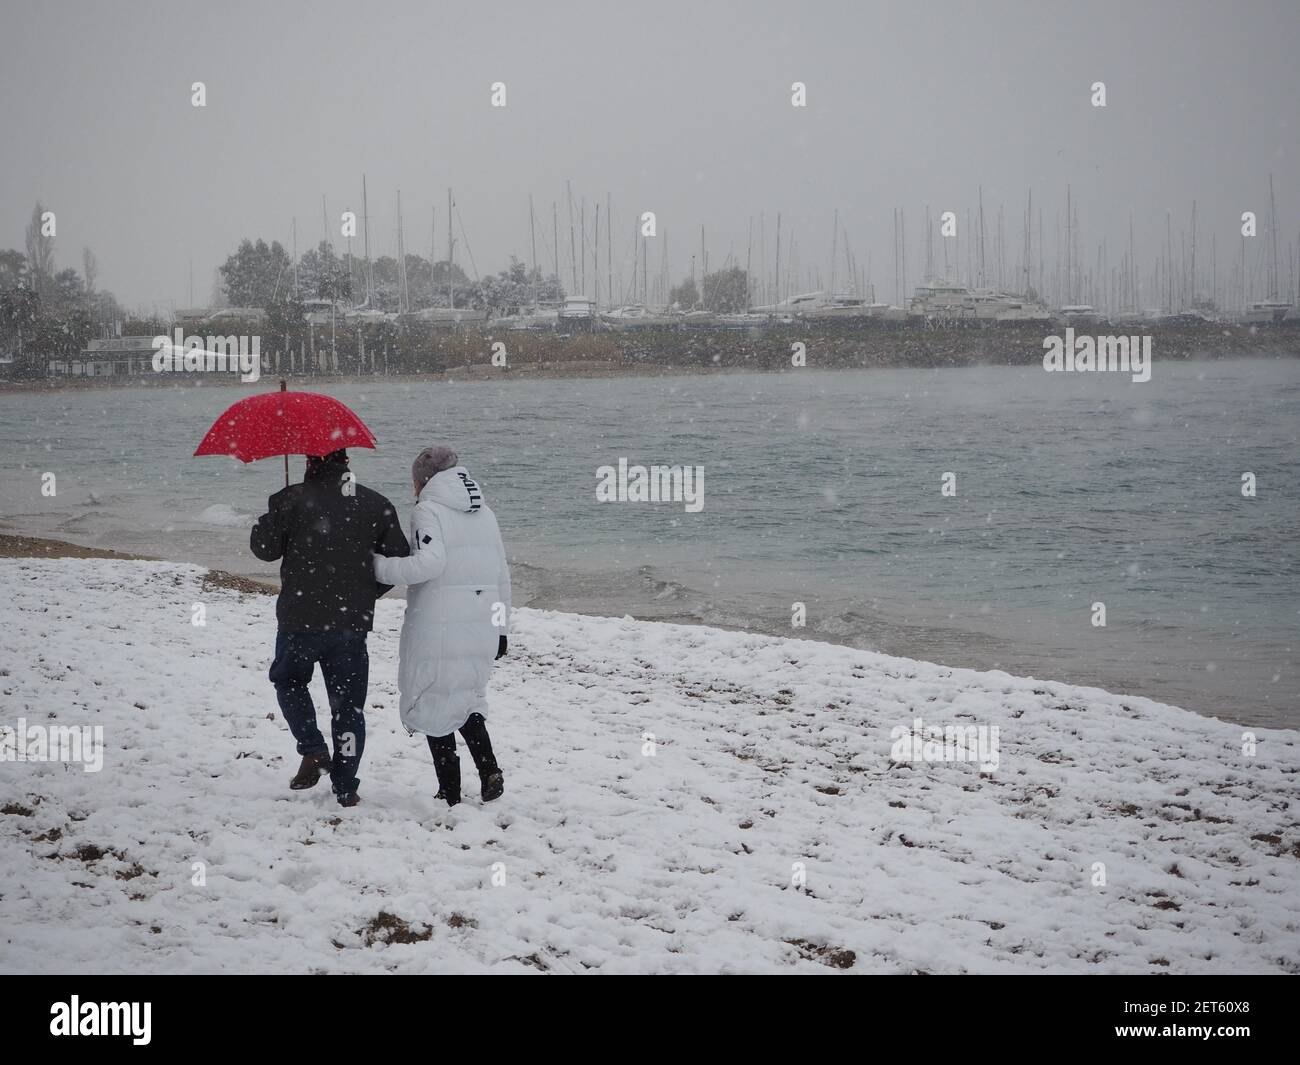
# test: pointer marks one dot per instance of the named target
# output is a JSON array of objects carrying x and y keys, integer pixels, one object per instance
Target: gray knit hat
[{"x": 433, "y": 460}]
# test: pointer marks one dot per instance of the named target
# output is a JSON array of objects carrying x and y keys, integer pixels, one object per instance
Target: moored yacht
[{"x": 1267, "y": 312}]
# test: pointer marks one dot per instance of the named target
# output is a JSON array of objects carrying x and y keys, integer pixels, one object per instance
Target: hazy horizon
[{"x": 679, "y": 109}]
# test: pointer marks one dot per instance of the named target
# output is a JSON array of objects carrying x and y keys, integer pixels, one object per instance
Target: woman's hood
[{"x": 453, "y": 488}]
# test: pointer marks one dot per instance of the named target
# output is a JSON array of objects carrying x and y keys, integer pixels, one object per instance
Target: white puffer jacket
[{"x": 457, "y": 605}]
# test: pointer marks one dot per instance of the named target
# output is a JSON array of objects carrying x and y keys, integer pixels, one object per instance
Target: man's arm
[
  {"x": 267, "y": 538},
  {"x": 391, "y": 542}
]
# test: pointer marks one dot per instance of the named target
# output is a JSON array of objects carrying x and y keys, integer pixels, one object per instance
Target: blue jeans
[{"x": 345, "y": 665}]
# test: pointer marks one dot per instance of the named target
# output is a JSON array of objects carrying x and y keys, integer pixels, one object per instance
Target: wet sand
[{"x": 40, "y": 547}]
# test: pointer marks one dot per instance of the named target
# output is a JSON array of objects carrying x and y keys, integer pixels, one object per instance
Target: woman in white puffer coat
[{"x": 457, "y": 614}]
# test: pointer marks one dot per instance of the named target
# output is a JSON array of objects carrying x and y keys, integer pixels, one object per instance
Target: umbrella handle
[{"x": 283, "y": 387}]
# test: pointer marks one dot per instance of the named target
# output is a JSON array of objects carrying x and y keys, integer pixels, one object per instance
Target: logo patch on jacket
[
  {"x": 475, "y": 496},
  {"x": 426, "y": 539}
]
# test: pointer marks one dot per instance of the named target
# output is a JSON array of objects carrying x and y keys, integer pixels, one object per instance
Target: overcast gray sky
[{"x": 679, "y": 108}]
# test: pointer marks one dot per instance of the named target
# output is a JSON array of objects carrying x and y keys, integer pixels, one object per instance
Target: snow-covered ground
[{"x": 764, "y": 828}]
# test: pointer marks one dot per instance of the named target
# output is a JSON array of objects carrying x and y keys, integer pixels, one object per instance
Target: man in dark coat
[{"x": 325, "y": 531}]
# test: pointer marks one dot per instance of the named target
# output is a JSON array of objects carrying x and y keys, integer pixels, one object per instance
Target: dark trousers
[
  {"x": 345, "y": 665},
  {"x": 447, "y": 763}
]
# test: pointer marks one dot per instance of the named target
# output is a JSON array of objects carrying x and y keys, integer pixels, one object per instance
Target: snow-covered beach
[{"x": 679, "y": 799}]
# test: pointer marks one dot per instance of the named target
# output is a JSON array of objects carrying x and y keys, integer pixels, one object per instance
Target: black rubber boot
[
  {"x": 446, "y": 763},
  {"x": 491, "y": 782}
]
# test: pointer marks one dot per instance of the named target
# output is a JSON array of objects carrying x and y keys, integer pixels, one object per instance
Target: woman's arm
[
  {"x": 503, "y": 581},
  {"x": 428, "y": 557}
]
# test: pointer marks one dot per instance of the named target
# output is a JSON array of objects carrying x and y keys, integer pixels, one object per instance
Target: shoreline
[
  {"x": 575, "y": 370},
  {"x": 633, "y": 356},
  {"x": 14, "y": 546},
  {"x": 19, "y": 546},
  {"x": 531, "y": 595}
]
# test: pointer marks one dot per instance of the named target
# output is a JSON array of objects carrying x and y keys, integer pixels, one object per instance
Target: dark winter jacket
[{"x": 326, "y": 538}]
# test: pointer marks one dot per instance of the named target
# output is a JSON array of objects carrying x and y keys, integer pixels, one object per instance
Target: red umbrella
[{"x": 285, "y": 423}]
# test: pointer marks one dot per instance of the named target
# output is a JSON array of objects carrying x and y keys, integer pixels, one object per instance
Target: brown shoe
[{"x": 312, "y": 768}]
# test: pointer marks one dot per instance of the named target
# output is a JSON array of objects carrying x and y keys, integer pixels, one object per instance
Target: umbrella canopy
[{"x": 285, "y": 423}]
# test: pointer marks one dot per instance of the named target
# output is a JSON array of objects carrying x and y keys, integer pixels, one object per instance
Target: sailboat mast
[
  {"x": 929, "y": 245},
  {"x": 835, "y": 245},
  {"x": 1069, "y": 251},
  {"x": 704, "y": 268},
  {"x": 1028, "y": 237},
  {"x": 902, "y": 248},
  {"x": 1169, "y": 273},
  {"x": 665, "y": 284},
  {"x": 1132, "y": 266},
  {"x": 573, "y": 253},
  {"x": 365, "y": 224},
  {"x": 401, "y": 260},
  {"x": 1002, "y": 252},
  {"x": 778, "y": 257},
  {"x": 532, "y": 233},
  {"x": 749, "y": 256},
  {"x": 897, "y": 288},
  {"x": 1272, "y": 225}
]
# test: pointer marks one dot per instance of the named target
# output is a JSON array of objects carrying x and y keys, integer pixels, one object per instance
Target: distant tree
[
  {"x": 286, "y": 324},
  {"x": 80, "y": 327},
  {"x": 256, "y": 273},
  {"x": 548, "y": 289},
  {"x": 419, "y": 280},
  {"x": 66, "y": 290},
  {"x": 385, "y": 268},
  {"x": 507, "y": 292},
  {"x": 726, "y": 291},
  {"x": 685, "y": 295},
  {"x": 20, "y": 308},
  {"x": 13, "y": 269},
  {"x": 317, "y": 263},
  {"x": 58, "y": 337},
  {"x": 89, "y": 270},
  {"x": 355, "y": 269},
  {"x": 333, "y": 282},
  {"x": 385, "y": 271},
  {"x": 104, "y": 307},
  {"x": 142, "y": 324},
  {"x": 285, "y": 316},
  {"x": 440, "y": 273},
  {"x": 40, "y": 252},
  {"x": 334, "y": 285},
  {"x": 218, "y": 298}
]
